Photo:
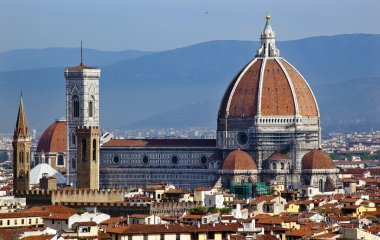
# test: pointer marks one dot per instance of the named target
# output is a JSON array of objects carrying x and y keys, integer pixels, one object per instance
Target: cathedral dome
[
  {"x": 317, "y": 159},
  {"x": 54, "y": 138},
  {"x": 268, "y": 86},
  {"x": 239, "y": 160}
]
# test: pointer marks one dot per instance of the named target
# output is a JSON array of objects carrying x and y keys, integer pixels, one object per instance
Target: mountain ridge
[{"x": 137, "y": 88}]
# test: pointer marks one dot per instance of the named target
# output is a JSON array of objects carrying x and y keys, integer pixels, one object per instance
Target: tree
[
  {"x": 213, "y": 209},
  {"x": 198, "y": 210},
  {"x": 225, "y": 210}
]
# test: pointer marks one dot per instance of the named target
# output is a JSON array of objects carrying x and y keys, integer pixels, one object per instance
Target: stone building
[
  {"x": 269, "y": 107},
  {"x": 21, "y": 152},
  {"x": 268, "y": 120},
  {"x": 82, "y": 109},
  {"x": 319, "y": 171}
]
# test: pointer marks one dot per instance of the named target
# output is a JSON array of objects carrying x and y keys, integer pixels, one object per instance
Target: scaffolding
[
  {"x": 261, "y": 188},
  {"x": 241, "y": 189}
]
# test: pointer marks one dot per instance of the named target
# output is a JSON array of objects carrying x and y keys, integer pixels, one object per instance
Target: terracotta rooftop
[
  {"x": 278, "y": 156},
  {"x": 160, "y": 143},
  {"x": 81, "y": 67},
  {"x": 53, "y": 138},
  {"x": 52, "y": 209},
  {"x": 39, "y": 237},
  {"x": 22, "y": 214},
  {"x": 317, "y": 159},
  {"x": 238, "y": 160},
  {"x": 176, "y": 191},
  {"x": 59, "y": 216},
  {"x": 114, "y": 220},
  {"x": 174, "y": 228},
  {"x": 85, "y": 224}
]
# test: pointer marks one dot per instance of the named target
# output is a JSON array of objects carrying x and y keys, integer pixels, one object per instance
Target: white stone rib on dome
[{"x": 37, "y": 172}]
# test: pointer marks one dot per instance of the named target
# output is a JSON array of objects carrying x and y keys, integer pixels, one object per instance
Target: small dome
[
  {"x": 54, "y": 138},
  {"x": 38, "y": 171},
  {"x": 278, "y": 156},
  {"x": 317, "y": 159},
  {"x": 239, "y": 160}
]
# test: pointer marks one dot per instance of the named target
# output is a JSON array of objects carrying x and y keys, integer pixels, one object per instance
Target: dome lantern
[{"x": 268, "y": 42}]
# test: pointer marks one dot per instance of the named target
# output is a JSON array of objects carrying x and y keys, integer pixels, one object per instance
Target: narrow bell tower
[
  {"x": 82, "y": 108},
  {"x": 88, "y": 157},
  {"x": 21, "y": 152}
]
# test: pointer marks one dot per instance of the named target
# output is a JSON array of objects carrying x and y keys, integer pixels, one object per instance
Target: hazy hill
[
  {"x": 144, "y": 90},
  {"x": 22, "y": 59},
  {"x": 352, "y": 104}
]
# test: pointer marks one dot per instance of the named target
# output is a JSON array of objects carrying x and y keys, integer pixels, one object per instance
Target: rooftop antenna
[{"x": 81, "y": 54}]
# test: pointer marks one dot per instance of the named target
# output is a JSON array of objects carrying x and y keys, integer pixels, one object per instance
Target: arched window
[
  {"x": 320, "y": 185},
  {"x": 84, "y": 150},
  {"x": 75, "y": 101},
  {"x": 73, "y": 164},
  {"x": 274, "y": 166},
  {"x": 60, "y": 160},
  {"x": 21, "y": 157},
  {"x": 94, "y": 150},
  {"x": 73, "y": 138},
  {"x": 27, "y": 157},
  {"x": 289, "y": 166},
  {"x": 91, "y": 105},
  {"x": 282, "y": 166},
  {"x": 21, "y": 174}
]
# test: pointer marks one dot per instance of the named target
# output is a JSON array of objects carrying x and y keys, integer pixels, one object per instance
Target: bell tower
[
  {"x": 82, "y": 109},
  {"x": 88, "y": 157},
  {"x": 21, "y": 152}
]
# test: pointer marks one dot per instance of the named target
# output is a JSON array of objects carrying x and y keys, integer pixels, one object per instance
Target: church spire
[
  {"x": 268, "y": 41},
  {"x": 21, "y": 124}
]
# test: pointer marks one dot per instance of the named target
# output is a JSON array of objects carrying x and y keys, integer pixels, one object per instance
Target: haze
[{"x": 158, "y": 25}]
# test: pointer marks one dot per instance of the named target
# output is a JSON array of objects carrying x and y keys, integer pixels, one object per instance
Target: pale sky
[{"x": 167, "y": 24}]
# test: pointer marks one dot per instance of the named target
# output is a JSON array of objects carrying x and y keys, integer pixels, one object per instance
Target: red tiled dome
[
  {"x": 317, "y": 159},
  {"x": 270, "y": 86},
  {"x": 54, "y": 138},
  {"x": 239, "y": 160}
]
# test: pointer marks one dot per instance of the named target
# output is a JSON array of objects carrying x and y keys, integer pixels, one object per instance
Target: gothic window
[
  {"x": 60, "y": 160},
  {"x": 21, "y": 157},
  {"x": 84, "y": 150},
  {"x": 27, "y": 157},
  {"x": 288, "y": 165},
  {"x": 282, "y": 166},
  {"x": 73, "y": 163},
  {"x": 75, "y": 101},
  {"x": 73, "y": 138},
  {"x": 94, "y": 150},
  {"x": 320, "y": 185},
  {"x": 274, "y": 166},
  {"x": 91, "y": 107}
]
